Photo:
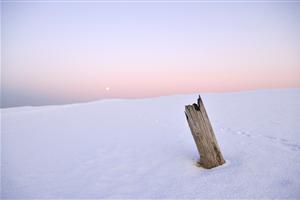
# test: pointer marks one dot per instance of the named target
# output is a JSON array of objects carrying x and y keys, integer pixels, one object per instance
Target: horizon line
[{"x": 149, "y": 97}]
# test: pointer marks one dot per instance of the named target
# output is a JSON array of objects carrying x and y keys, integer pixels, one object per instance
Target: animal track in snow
[
  {"x": 282, "y": 141},
  {"x": 243, "y": 133},
  {"x": 294, "y": 147}
]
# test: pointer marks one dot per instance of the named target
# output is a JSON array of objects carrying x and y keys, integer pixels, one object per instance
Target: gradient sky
[{"x": 63, "y": 52}]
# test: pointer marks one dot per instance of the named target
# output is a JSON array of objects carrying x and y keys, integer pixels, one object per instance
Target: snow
[{"x": 144, "y": 149}]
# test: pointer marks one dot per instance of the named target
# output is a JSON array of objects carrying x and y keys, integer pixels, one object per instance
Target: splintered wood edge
[{"x": 218, "y": 152}]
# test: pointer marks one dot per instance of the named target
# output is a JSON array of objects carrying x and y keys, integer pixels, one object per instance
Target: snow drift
[{"x": 144, "y": 148}]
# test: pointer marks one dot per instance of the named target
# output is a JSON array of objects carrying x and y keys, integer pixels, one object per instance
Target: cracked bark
[{"x": 203, "y": 134}]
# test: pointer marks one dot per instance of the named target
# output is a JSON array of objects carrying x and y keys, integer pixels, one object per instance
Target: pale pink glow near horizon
[{"x": 68, "y": 52}]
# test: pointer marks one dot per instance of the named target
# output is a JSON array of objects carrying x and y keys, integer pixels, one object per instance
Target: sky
[{"x": 56, "y": 52}]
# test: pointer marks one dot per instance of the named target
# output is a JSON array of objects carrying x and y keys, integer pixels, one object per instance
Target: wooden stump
[{"x": 208, "y": 148}]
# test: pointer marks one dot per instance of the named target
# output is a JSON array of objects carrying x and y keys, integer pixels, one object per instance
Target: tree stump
[{"x": 206, "y": 142}]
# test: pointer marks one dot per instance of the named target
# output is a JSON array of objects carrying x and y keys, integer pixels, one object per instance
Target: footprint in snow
[
  {"x": 243, "y": 133},
  {"x": 284, "y": 142},
  {"x": 270, "y": 137},
  {"x": 294, "y": 147}
]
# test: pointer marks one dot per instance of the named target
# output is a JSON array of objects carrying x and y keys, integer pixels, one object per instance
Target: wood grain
[{"x": 203, "y": 134}]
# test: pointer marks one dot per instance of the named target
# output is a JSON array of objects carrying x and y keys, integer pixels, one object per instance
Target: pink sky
[{"x": 73, "y": 51}]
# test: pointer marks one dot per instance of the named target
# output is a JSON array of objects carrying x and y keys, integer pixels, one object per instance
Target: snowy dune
[{"x": 144, "y": 148}]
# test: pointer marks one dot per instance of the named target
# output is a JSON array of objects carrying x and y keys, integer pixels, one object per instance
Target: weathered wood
[{"x": 206, "y": 142}]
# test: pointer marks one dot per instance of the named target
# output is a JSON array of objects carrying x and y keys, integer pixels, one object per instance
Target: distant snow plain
[{"x": 144, "y": 149}]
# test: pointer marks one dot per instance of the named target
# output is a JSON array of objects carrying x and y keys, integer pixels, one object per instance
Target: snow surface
[{"x": 144, "y": 148}]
